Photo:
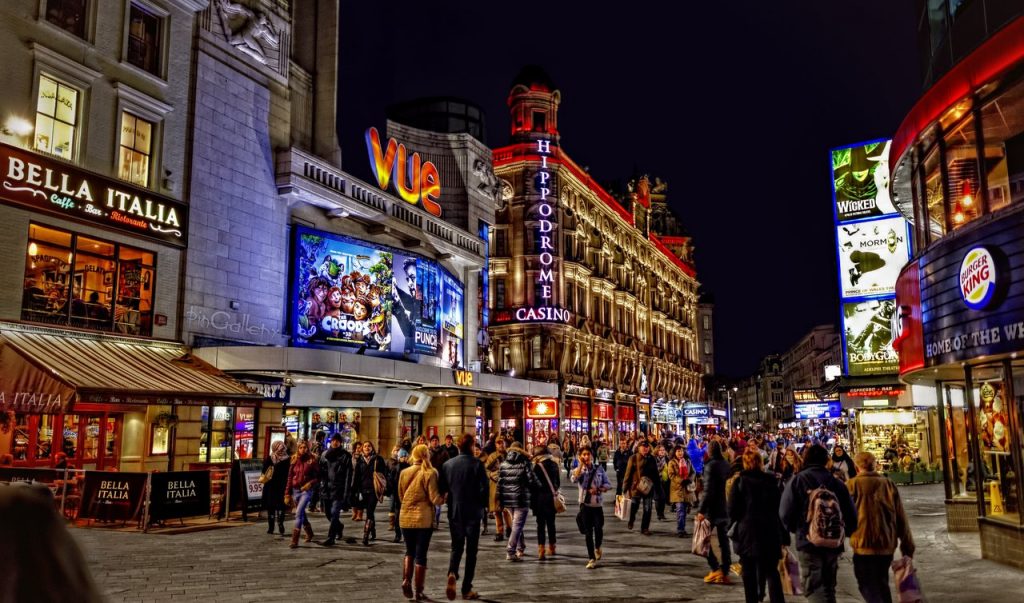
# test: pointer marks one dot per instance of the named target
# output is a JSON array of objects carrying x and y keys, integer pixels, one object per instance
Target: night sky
[{"x": 734, "y": 104}]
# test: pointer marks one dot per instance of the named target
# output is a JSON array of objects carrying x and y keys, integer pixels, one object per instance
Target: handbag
[
  {"x": 907, "y": 583},
  {"x": 556, "y": 495},
  {"x": 789, "y": 572},
  {"x": 644, "y": 485},
  {"x": 701, "y": 538},
  {"x": 380, "y": 484},
  {"x": 267, "y": 475},
  {"x": 622, "y": 507}
]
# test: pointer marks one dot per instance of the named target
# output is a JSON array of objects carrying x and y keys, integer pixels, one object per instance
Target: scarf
[
  {"x": 684, "y": 468},
  {"x": 278, "y": 452}
]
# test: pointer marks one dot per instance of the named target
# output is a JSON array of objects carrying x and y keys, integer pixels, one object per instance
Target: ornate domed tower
[{"x": 533, "y": 106}]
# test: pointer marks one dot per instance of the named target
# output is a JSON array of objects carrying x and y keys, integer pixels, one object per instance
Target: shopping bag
[
  {"x": 789, "y": 571},
  {"x": 622, "y": 507},
  {"x": 701, "y": 537},
  {"x": 907, "y": 584}
]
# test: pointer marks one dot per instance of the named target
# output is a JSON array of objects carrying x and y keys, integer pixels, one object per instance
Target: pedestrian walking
[
  {"x": 418, "y": 493},
  {"x": 713, "y": 507},
  {"x": 568, "y": 453},
  {"x": 274, "y": 488},
  {"x": 661, "y": 497},
  {"x": 492, "y": 465},
  {"x": 818, "y": 508},
  {"x": 369, "y": 482},
  {"x": 449, "y": 446},
  {"x": 336, "y": 469},
  {"x": 792, "y": 463},
  {"x": 681, "y": 487},
  {"x": 842, "y": 465},
  {"x": 438, "y": 457},
  {"x": 303, "y": 475},
  {"x": 758, "y": 535},
  {"x": 358, "y": 504},
  {"x": 516, "y": 484},
  {"x": 401, "y": 463},
  {"x": 881, "y": 524},
  {"x": 464, "y": 481},
  {"x": 593, "y": 482},
  {"x": 543, "y": 501},
  {"x": 641, "y": 482},
  {"x": 619, "y": 461}
]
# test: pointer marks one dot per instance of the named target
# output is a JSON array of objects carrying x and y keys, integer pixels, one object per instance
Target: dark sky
[{"x": 735, "y": 104}]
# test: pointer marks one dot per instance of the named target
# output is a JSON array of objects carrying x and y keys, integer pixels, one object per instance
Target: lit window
[
  {"x": 134, "y": 155},
  {"x": 68, "y": 15},
  {"x": 56, "y": 118},
  {"x": 144, "y": 40}
]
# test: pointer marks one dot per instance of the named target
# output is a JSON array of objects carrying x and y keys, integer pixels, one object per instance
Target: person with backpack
[
  {"x": 716, "y": 472},
  {"x": 517, "y": 484},
  {"x": 881, "y": 522},
  {"x": 336, "y": 467},
  {"x": 818, "y": 508},
  {"x": 758, "y": 536}
]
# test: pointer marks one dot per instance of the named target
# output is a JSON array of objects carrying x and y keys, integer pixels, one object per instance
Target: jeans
[
  {"x": 546, "y": 526},
  {"x": 721, "y": 528},
  {"x": 465, "y": 536},
  {"x": 417, "y": 541},
  {"x": 681, "y": 511},
  {"x": 757, "y": 569},
  {"x": 302, "y": 499},
  {"x": 872, "y": 572},
  {"x": 645, "y": 521},
  {"x": 818, "y": 571},
  {"x": 593, "y": 522},
  {"x": 516, "y": 542},
  {"x": 333, "y": 511}
]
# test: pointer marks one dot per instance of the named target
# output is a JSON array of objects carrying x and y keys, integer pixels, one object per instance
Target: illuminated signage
[
  {"x": 812, "y": 395},
  {"x": 416, "y": 181},
  {"x": 66, "y": 191},
  {"x": 818, "y": 410},
  {"x": 875, "y": 403},
  {"x": 696, "y": 411},
  {"x": 463, "y": 378},
  {"x": 978, "y": 278},
  {"x": 544, "y": 233},
  {"x": 541, "y": 408},
  {"x": 874, "y": 392}
]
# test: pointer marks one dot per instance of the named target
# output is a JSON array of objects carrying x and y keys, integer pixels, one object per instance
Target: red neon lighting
[{"x": 994, "y": 56}]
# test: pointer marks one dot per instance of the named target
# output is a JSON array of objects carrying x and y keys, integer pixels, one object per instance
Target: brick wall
[{"x": 1004, "y": 544}]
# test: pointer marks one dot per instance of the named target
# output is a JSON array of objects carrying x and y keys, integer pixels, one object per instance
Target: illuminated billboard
[
  {"x": 871, "y": 255},
  {"x": 351, "y": 293},
  {"x": 867, "y": 337},
  {"x": 860, "y": 181}
]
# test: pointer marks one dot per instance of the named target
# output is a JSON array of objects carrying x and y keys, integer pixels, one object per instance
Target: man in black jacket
[
  {"x": 712, "y": 507},
  {"x": 641, "y": 465},
  {"x": 619, "y": 462},
  {"x": 450, "y": 447},
  {"x": 464, "y": 480},
  {"x": 819, "y": 565},
  {"x": 336, "y": 464}
]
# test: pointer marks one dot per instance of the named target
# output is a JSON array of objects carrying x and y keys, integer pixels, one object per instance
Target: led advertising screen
[
  {"x": 871, "y": 255},
  {"x": 860, "y": 181},
  {"x": 351, "y": 293},
  {"x": 867, "y": 336},
  {"x": 818, "y": 410}
]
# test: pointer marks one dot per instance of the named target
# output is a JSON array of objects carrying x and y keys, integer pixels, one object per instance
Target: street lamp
[
  {"x": 729, "y": 399},
  {"x": 771, "y": 415}
]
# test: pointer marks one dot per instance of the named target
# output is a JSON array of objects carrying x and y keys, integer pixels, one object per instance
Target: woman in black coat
[
  {"x": 543, "y": 500},
  {"x": 758, "y": 535},
  {"x": 273, "y": 491},
  {"x": 370, "y": 475}
]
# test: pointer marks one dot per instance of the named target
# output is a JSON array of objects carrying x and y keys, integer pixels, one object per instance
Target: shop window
[
  {"x": 69, "y": 15},
  {"x": 962, "y": 167},
  {"x": 87, "y": 283},
  {"x": 1003, "y": 122},
  {"x": 995, "y": 441},
  {"x": 20, "y": 438},
  {"x": 44, "y": 437},
  {"x": 134, "y": 152},
  {"x": 56, "y": 118},
  {"x": 69, "y": 437},
  {"x": 934, "y": 198},
  {"x": 958, "y": 451},
  {"x": 245, "y": 429},
  {"x": 215, "y": 439},
  {"x": 144, "y": 33}
]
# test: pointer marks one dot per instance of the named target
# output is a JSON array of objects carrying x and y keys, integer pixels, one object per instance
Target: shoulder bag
[
  {"x": 556, "y": 495},
  {"x": 267, "y": 475}
]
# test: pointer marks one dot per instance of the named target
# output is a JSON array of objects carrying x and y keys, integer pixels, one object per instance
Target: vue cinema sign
[{"x": 416, "y": 181}]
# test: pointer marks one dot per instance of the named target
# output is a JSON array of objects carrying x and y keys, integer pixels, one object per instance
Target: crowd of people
[{"x": 754, "y": 495}]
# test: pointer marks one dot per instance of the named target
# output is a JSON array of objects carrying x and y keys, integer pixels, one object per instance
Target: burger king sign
[{"x": 978, "y": 278}]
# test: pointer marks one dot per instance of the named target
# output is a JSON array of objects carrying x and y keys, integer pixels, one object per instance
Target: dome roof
[{"x": 534, "y": 77}]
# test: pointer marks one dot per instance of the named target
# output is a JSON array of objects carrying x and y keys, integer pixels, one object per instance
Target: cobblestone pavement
[{"x": 243, "y": 563}]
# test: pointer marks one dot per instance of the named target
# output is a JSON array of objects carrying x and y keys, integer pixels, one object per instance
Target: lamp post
[
  {"x": 771, "y": 416},
  {"x": 728, "y": 396}
]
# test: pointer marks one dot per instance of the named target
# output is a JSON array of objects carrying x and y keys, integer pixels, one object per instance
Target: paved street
[{"x": 244, "y": 563}]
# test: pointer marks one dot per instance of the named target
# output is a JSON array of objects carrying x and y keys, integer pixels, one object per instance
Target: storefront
[
  {"x": 664, "y": 417},
  {"x": 577, "y": 417},
  {"x": 540, "y": 422},
  {"x": 699, "y": 419},
  {"x": 603, "y": 425},
  {"x": 626, "y": 421}
]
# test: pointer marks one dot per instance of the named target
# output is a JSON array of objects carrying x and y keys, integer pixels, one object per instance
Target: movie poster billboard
[
  {"x": 867, "y": 337},
  {"x": 428, "y": 293},
  {"x": 452, "y": 307},
  {"x": 871, "y": 255},
  {"x": 860, "y": 181}
]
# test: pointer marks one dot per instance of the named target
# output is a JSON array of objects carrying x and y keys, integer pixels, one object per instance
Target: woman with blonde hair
[{"x": 418, "y": 492}]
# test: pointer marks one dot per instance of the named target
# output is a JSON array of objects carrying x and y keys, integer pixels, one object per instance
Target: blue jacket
[
  {"x": 595, "y": 477},
  {"x": 696, "y": 455}
]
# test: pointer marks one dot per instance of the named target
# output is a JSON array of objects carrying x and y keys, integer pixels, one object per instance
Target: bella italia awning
[{"x": 46, "y": 371}]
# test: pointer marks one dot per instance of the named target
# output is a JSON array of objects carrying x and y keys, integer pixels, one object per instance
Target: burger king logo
[{"x": 978, "y": 278}]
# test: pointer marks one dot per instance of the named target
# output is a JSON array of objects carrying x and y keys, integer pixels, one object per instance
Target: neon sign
[
  {"x": 544, "y": 310},
  {"x": 416, "y": 181}
]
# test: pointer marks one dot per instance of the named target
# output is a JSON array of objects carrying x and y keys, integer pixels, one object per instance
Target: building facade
[
  {"x": 958, "y": 175},
  {"x": 582, "y": 292}
]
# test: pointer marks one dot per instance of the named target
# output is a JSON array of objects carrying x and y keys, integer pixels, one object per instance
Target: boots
[
  {"x": 373, "y": 529},
  {"x": 366, "y": 534},
  {"x": 398, "y": 533},
  {"x": 499, "y": 525},
  {"x": 541, "y": 551},
  {"x": 295, "y": 539},
  {"x": 270, "y": 522},
  {"x": 419, "y": 578},
  {"x": 309, "y": 530},
  {"x": 280, "y": 522},
  {"x": 551, "y": 550},
  {"x": 391, "y": 522},
  {"x": 407, "y": 563}
]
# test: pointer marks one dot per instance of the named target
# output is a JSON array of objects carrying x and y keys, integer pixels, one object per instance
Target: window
[
  {"x": 707, "y": 346},
  {"x": 56, "y": 118},
  {"x": 68, "y": 15},
  {"x": 135, "y": 149},
  {"x": 540, "y": 121},
  {"x": 570, "y": 296},
  {"x": 88, "y": 440},
  {"x": 499, "y": 293},
  {"x": 501, "y": 243},
  {"x": 87, "y": 283},
  {"x": 1003, "y": 121},
  {"x": 215, "y": 435},
  {"x": 707, "y": 322},
  {"x": 934, "y": 196},
  {"x": 144, "y": 30},
  {"x": 535, "y": 352},
  {"x": 962, "y": 167}
]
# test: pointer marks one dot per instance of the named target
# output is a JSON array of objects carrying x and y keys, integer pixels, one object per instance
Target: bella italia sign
[{"x": 59, "y": 188}]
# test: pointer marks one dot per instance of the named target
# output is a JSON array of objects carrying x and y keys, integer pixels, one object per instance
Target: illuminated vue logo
[
  {"x": 416, "y": 181},
  {"x": 545, "y": 312},
  {"x": 978, "y": 278}
]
